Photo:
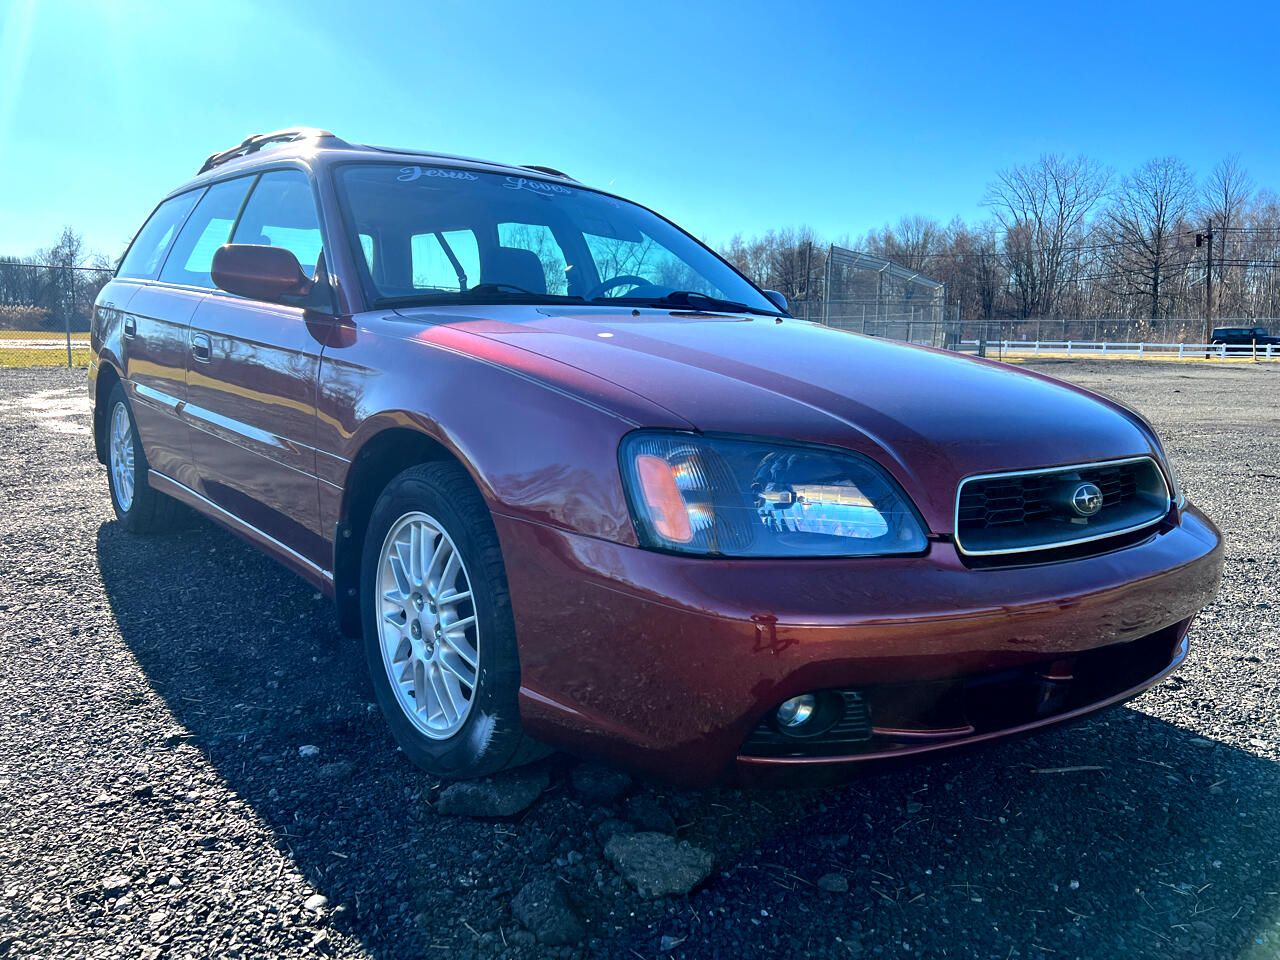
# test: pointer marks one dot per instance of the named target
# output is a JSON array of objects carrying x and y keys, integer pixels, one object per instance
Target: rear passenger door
[
  {"x": 251, "y": 382},
  {"x": 152, "y": 338}
]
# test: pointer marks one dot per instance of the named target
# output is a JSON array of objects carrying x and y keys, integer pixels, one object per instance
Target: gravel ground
[{"x": 190, "y": 765}]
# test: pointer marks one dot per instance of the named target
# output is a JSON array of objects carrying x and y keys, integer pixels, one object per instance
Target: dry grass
[
  {"x": 11, "y": 359},
  {"x": 57, "y": 335}
]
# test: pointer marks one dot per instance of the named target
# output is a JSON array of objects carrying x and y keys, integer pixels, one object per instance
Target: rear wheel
[
  {"x": 139, "y": 508},
  {"x": 438, "y": 631}
]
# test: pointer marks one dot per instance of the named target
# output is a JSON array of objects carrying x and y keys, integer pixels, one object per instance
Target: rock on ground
[
  {"x": 543, "y": 907},
  {"x": 502, "y": 796},
  {"x": 658, "y": 865},
  {"x": 833, "y": 883}
]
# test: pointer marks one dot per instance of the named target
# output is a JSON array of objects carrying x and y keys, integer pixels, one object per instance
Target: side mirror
[
  {"x": 259, "y": 272},
  {"x": 779, "y": 299}
]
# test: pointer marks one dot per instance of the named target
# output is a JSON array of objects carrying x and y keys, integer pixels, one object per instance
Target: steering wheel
[{"x": 625, "y": 279}]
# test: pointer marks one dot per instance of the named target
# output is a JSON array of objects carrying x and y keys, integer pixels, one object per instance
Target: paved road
[{"x": 154, "y": 694}]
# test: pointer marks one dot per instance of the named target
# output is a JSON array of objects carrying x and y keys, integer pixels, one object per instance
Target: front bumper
[{"x": 668, "y": 664}]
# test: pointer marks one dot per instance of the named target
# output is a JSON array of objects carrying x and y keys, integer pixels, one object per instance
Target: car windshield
[{"x": 432, "y": 234}]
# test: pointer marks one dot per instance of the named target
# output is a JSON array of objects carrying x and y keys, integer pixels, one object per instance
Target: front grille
[
  {"x": 1010, "y": 501},
  {"x": 1031, "y": 510}
]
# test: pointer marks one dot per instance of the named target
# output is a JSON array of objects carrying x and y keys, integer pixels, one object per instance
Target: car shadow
[{"x": 1121, "y": 836}]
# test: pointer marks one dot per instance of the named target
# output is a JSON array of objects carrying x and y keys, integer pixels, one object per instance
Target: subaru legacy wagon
[{"x": 575, "y": 482}]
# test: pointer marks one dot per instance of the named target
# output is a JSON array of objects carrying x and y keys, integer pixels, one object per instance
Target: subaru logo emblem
[{"x": 1087, "y": 499}]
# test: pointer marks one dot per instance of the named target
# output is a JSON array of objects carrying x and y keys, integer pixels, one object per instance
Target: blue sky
[{"x": 734, "y": 116}]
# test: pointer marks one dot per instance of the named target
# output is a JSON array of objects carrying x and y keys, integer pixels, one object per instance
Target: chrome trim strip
[
  {"x": 955, "y": 528},
  {"x": 240, "y": 429},
  {"x": 332, "y": 456},
  {"x": 232, "y": 520},
  {"x": 157, "y": 397}
]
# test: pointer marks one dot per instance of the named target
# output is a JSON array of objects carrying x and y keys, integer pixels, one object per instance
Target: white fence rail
[{"x": 1103, "y": 348}]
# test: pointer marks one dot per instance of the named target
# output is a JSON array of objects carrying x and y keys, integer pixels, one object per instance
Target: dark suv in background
[
  {"x": 1243, "y": 336},
  {"x": 576, "y": 481}
]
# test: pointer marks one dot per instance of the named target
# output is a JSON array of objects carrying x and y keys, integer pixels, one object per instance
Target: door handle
[
  {"x": 130, "y": 328},
  {"x": 201, "y": 347}
]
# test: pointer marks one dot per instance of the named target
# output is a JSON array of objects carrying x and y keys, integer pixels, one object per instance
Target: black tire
[
  {"x": 490, "y": 738},
  {"x": 149, "y": 511}
]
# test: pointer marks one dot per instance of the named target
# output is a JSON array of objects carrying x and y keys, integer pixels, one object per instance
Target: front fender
[{"x": 539, "y": 438}]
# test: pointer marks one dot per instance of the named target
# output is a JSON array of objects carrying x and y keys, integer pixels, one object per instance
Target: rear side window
[
  {"x": 281, "y": 212},
  {"x": 145, "y": 254},
  {"x": 208, "y": 228}
]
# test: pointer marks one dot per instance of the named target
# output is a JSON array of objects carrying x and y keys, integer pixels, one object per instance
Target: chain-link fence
[
  {"x": 45, "y": 310},
  {"x": 870, "y": 294}
]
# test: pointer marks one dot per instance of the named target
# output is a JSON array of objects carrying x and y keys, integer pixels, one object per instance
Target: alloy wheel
[
  {"x": 121, "y": 457},
  {"x": 427, "y": 627}
]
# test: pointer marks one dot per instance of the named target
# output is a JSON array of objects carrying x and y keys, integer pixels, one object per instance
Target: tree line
[
  {"x": 54, "y": 287},
  {"x": 1066, "y": 238},
  {"x": 1069, "y": 239}
]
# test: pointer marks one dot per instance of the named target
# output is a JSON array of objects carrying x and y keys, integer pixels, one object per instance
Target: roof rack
[
  {"x": 549, "y": 171},
  {"x": 257, "y": 141}
]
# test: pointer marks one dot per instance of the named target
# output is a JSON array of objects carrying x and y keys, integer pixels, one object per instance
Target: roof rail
[
  {"x": 549, "y": 171},
  {"x": 255, "y": 142}
]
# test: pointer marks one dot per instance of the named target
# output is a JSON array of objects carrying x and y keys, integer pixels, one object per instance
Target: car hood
[{"x": 932, "y": 417}]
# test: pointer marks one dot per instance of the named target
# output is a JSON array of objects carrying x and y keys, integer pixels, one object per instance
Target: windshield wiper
[
  {"x": 690, "y": 299},
  {"x": 505, "y": 289}
]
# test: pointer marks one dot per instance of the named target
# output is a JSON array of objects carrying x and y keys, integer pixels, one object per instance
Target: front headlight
[{"x": 760, "y": 498}]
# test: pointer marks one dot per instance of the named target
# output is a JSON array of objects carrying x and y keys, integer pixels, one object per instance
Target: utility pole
[
  {"x": 1206, "y": 240},
  {"x": 67, "y": 311}
]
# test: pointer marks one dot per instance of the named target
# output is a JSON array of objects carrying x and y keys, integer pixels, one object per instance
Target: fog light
[{"x": 797, "y": 711}]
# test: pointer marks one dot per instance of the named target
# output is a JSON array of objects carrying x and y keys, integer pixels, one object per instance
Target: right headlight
[{"x": 762, "y": 498}]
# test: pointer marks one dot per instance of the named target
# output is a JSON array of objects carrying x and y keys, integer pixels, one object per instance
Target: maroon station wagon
[{"x": 577, "y": 483}]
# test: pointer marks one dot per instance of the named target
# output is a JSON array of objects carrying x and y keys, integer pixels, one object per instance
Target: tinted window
[
  {"x": 208, "y": 228},
  {"x": 148, "y": 248},
  {"x": 281, "y": 212}
]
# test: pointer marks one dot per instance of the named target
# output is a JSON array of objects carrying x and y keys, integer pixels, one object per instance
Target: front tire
[
  {"x": 138, "y": 507},
  {"x": 438, "y": 630}
]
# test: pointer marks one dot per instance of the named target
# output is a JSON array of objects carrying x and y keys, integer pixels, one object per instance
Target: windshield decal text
[
  {"x": 540, "y": 187},
  {"x": 409, "y": 174}
]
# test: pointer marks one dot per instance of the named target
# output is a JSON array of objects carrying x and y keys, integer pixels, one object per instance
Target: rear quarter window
[{"x": 146, "y": 253}]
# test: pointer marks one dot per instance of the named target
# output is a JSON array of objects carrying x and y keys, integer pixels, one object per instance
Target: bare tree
[
  {"x": 1149, "y": 218},
  {"x": 1043, "y": 208},
  {"x": 914, "y": 242},
  {"x": 789, "y": 260},
  {"x": 1225, "y": 197}
]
